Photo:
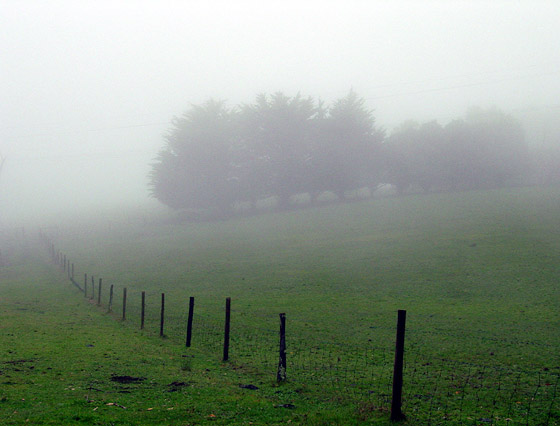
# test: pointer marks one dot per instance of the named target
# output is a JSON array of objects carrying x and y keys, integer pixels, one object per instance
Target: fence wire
[{"x": 436, "y": 391}]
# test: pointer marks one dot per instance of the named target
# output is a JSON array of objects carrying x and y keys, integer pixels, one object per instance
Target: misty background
[{"x": 89, "y": 89}]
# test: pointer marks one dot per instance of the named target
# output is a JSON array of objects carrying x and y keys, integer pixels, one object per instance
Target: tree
[
  {"x": 277, "y": 146},
  {"x": 486, "y": 149},
  {"x": 413, "y": 155},
  {"x": 277, "y": 138},
  {"x": 347, "y": 154},
  {"x": 194, "y": 170}
]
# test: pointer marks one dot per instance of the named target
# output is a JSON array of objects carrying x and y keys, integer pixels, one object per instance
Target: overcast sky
[{"x": 89, "y": 87}]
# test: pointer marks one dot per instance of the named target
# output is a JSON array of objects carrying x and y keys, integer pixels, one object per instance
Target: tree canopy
[{"x": 278, "y": 146}]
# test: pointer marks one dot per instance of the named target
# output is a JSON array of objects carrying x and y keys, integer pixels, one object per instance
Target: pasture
[{"x": 477, "y": 273}]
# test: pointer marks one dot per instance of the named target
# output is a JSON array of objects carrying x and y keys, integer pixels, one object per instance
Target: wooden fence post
[
  {"x": 281, "y": 374},
  {"x": 124, "y": 304},
  {"x": 72, "y": 276},
  {"x": 226, "y": 330},
  {"x": 92, "y": 296},
  {"x": 189, "y": 322},
  {"x": 396, "y": 405},
  {"x": 99, "y": 293},
  {"x": 85, "y": 285},
  {"x": 162, "y": 315},
  {"x": 142, "y": 311},
  {"x": 110, "y": 307}
]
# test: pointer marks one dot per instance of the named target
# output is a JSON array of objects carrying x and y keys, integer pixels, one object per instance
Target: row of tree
[{"x": 215, "y": 156}]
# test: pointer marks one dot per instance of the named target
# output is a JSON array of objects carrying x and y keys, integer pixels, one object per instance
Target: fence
[{"x": 436, "y": 391}]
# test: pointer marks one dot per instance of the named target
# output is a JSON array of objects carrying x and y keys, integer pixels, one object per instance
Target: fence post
[
  {"x": 281, "y": 374},
  {"x": 99, "y": 293},
  {"x": 72, "y": 271},
  {"x": 189, "y": 321},
  {"x": 85, "y": 285},
  {"x": 92, "y": 296},
  {"x": 162, "y": 315},
  {"x": 124, "y": 304},
  {"x": 142, "y": 310},
  {"x": 226, "y": 331},
  {"x": 396, "y": 405},
  {"x": 110, "y": 299}
]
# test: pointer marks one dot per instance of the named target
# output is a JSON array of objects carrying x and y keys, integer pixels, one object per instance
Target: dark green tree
[
  {"x": 347, "y": 154},
  {"x": 277, "y": 135},
  {"x": 194, "y": 169}
]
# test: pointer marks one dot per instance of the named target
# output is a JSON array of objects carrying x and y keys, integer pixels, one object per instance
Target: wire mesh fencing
[{"x": 435, "y": 391}]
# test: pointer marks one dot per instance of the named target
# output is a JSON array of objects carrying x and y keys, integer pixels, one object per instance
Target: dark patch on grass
[
  {"x": 18, "y": 361},
  {"x": 251, "y": 387},
  {"x": 175, "y": 386},
  {"x": 127, "y": 379}
]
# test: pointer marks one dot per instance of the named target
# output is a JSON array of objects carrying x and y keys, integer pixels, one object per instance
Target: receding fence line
[
  {"x": 189, "y": 322},
  {"x": 281, "y": 373},
  {"x": 142, "y": 311},
  {"x": 124, "y": 304},
  {"x": 162, "y": 315},
  {"x": 343, "y": 372},
  {"x": 396, "y": 405},
  {"x": 226, "y": 329}
]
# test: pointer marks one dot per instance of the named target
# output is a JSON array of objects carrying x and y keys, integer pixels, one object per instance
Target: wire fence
[{"x": 436, "y": 391}]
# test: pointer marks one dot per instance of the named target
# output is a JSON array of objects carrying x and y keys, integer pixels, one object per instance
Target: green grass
[
  {"x": 477, "y": 272},
  {"x": 59, "y": 354}
]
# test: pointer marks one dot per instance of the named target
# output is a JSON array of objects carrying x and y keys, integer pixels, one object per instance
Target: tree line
[{"x": 278, "y": 146}]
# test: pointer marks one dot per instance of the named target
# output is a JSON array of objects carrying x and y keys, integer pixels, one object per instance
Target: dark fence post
[
  {"x": 92, "y": 296},
  {"x": 99, "y": 292},
  {"x": 72, "y": 271},
  {"x": 85, "y": 285},
  {"x": 281, "y": 374},
  {"x": 124, "y": 304},
  {"x": 162, "y": 316},
  {"x": 396, "y": 405},
  {"x": 226, "y": 331},
  {"x": 110, "y": 307},
  {"x": 142, "y": 310},
  {"x": 189, "y": 321}
]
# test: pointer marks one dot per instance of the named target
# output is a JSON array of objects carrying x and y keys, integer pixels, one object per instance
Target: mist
[{"x": 90, "y": 89}]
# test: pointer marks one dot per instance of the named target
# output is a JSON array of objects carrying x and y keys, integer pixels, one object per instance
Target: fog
[{"x": 89, "y": 89}]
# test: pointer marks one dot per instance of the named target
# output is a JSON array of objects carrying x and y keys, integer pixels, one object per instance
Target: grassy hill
[{"x": 477, "y": 272}]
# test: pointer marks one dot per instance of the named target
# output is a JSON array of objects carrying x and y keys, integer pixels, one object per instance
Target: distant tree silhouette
[
  {"x": 347, "y": 154},
  {"x": 485, "y": 149},
  {"x": 194, "y": 170},
  {"x": 277, "y": 135}
]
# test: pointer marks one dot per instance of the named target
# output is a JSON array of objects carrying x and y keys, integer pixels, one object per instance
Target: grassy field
[{"x": 477, "y": 272}]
